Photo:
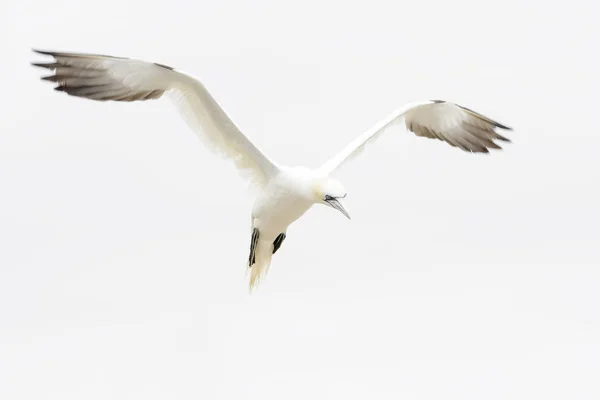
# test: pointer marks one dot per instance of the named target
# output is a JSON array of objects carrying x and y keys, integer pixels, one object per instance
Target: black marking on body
[
  {"x": 438, "y": 101},
  {"x": 165, "y": 66},
  {"x": 278, "y": 241},
  {"x": 253, "y": 242}
]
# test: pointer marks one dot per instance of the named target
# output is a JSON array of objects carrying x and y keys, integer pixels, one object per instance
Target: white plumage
[{"x": 284, "y": 193}]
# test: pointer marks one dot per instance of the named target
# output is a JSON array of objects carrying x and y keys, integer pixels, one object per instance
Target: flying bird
[{"x": 284, "y": 193}]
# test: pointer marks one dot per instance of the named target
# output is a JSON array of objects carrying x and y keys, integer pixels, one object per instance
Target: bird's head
[{"x": 329, "y": 192}]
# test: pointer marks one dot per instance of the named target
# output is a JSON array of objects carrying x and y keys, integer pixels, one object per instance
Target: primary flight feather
[{"x": 284, "y": 193}]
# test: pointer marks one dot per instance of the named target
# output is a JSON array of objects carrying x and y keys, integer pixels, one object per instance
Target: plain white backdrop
[{"x": 124, "y": 241}]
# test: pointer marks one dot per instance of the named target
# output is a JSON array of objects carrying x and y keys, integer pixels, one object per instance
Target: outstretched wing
[
  {"x": 435, "y": 119},
  {"x": 102, "y": 78}
]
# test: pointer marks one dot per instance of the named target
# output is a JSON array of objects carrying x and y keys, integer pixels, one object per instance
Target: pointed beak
[{"x": 335, "y": 203}]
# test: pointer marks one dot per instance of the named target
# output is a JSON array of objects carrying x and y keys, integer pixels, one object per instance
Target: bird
[{"x": 283, "y": 193}]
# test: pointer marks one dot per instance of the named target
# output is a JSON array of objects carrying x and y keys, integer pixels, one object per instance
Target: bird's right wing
[
  {"x": 100, "y": 77},
  {"x": 456, "y": 125}
]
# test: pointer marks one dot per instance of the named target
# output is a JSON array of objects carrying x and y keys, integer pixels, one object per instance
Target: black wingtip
[
  {"x": 44, "y": 52},
  {"x": 502, "y": 138},
  {"x": 51, "y": 78},
  {"x": 506, "y": 128},
  {"x": 45, "y": 65}
]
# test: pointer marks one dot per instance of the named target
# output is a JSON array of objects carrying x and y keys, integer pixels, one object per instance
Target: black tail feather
[
  {"x": 253, "y": 242},
  {"x": 278, "y": 241}
]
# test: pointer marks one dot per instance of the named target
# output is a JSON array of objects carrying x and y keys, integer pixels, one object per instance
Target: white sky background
[{"x": 460, "y": 276}]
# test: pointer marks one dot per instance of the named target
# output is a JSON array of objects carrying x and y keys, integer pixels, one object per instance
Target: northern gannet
[{"x": 284, "y": 193}]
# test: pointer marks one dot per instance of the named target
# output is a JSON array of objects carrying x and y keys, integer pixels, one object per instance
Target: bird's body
[
  {"x": 282, "y": 201},
  {"x": 284, "y": 193}
]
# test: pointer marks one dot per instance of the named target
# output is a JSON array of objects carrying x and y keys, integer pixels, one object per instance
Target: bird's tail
[{"x": 262, "y": 262}]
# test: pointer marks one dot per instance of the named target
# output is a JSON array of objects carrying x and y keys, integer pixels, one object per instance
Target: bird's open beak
[{"x": 335, "y": 203}]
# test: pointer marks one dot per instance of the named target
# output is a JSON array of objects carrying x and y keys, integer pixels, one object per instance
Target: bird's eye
[{"x": 328, "y": 197}]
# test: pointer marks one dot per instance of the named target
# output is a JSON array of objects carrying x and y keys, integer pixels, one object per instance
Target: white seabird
[{"x": 284, "y": 193}]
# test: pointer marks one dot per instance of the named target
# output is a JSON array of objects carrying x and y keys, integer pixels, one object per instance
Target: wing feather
[
  {"x": 109, "y": 78},
  {"x": 456, "y": 125}
]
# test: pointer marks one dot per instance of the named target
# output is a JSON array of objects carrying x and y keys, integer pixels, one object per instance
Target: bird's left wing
[
  {"x": 435, "y": 119},
  {"x": 100, "y": 77}
]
